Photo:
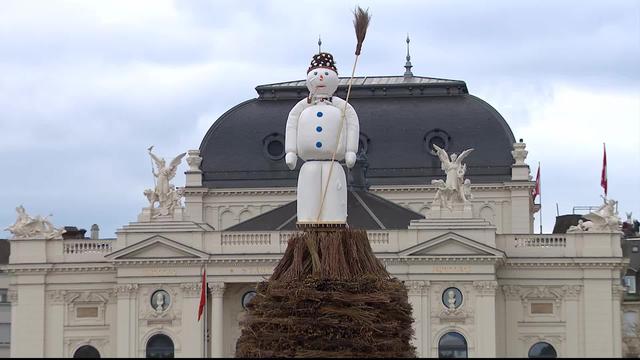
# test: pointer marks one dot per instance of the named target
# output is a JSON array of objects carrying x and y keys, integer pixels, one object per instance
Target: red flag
[
  {"x": 203, "y": 294},
  {"x": 536, "y": 190},
  {"x": 603, "y": 177}
]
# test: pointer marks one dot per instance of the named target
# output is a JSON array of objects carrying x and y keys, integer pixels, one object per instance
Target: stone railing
[
  {"x": 560, "y": 245},
  {"x": 539, "y": 241},
  {"x": 276, "y": 241},
  {"x": 86, "y": 249},
  {"x": 233, "y": 238}
]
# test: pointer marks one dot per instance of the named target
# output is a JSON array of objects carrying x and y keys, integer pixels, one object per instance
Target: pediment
[
  {"x": 451, "y": 244},
  {"x": 157, "y": 247}
]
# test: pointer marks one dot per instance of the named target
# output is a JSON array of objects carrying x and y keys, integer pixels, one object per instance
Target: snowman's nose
[{"x": 321, "y": 77}]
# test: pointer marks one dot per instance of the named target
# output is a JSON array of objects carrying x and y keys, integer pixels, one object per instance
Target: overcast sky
[{"x": 87, "y": 86}]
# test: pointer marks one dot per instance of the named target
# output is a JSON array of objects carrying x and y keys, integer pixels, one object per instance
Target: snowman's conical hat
[{"x": 323, "y": 60}]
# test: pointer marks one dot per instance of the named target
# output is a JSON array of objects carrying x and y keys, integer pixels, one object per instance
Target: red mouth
[{"x": 319, "y": 86}]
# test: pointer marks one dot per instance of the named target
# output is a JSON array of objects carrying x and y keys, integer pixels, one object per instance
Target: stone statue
[
  {"x": 451, "y": 299},
  {"x": 604, "y": 219},
  {"x": 582, "y": 226},
  {"x": 165, "y": 193},
  {"x": 27, "y": 227},
  {"x": 455, "y": 189},
  {"x": 159, "y": 302}
]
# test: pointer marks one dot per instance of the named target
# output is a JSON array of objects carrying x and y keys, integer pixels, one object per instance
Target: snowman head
[{"x": 322, "y": 75}]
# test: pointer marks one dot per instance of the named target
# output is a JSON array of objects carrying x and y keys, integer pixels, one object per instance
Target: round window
[
  {"x": 160, "y": 300},
  {"x": 436, "y": 137},
  {"x": 273, "y": 146},
  {"x": 247, "y": 297},
  {"x": 452, "y": 298}
]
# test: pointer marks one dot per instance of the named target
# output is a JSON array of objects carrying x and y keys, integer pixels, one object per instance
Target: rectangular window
[
  {"x": 630, "y": 284},
  {"x": 541, "y": 308},
  {"x": 5, "y": 334},
  {"x": 3, "y": 296}
]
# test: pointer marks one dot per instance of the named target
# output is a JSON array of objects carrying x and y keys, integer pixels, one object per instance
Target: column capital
[
  {"x": 191, "y": 289},
  {"x": 56, "y": 296},
  {"x": 217, "y": 289},
  {"x": 416, "y": 287},
  {"x": 124, "y": 291},
  {"x": 617, "y": 291},
  {"x": 571, "y": 292},
  {"x": 486, "y": 287}
]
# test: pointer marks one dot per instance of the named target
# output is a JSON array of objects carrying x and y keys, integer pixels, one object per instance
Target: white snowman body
[
  {"x": 318, "y": 131},
  {"x": 316, "y": 128}
]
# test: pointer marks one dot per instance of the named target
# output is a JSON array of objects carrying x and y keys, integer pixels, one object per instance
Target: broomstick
[{"x": 360, "y": 23}]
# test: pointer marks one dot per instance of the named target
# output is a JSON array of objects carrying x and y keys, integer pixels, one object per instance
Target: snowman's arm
[
  {"x": 291, "y": 132},
  {"x": 353, "y": 124}
]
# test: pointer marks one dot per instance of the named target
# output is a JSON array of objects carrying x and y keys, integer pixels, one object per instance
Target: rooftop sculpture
[
  {"x": 27, "y": 227},
  {"x": 455, "y": 191},
  {"x": 164, "y": 193}
]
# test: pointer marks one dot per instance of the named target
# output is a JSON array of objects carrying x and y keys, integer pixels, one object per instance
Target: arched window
[
  {"x": 542, "y": 350},
  {"x": 86, "y": 352},
  {"x": 452, "y": 345},
  {"x": 160, "y": 346}
]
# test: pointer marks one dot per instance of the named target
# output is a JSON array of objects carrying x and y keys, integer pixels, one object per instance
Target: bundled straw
[{"x": 349, "y": 307}]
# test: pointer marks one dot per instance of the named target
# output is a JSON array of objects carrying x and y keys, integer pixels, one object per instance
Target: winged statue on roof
[
  {"x": 454, "y": 189},
  {"x": 165, "y": 193}
]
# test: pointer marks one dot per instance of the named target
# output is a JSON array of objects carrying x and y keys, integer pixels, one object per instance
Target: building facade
[{"x": 481, "y": 283}]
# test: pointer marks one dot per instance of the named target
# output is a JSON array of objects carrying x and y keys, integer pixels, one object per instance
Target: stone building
[{"x": 481, "y": 283}]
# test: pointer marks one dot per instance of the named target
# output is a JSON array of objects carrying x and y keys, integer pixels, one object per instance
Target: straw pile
[{"x": 328, "y": 297}]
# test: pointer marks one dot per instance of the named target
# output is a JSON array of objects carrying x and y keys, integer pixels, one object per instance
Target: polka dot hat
[{"x": 323, "y": 60}]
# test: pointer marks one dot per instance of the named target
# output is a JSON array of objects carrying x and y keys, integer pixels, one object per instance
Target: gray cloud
[{"x": 86, "y": 87}]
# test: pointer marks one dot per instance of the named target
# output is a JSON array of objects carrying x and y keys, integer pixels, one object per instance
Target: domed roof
[{"x": 399, "y": 118}]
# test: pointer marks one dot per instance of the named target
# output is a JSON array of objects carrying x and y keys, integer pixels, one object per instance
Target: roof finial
[
  {"x": 319, "y": 44},
  {"x": 408, "y": 65}
]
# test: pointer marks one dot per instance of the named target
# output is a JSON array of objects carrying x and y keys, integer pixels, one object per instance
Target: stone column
[
  {"x": 572, "y": 311},
  {"x": 416, "y": 291},
  {"x": 513, "y": 313},
  {"x": 28, "y": 317},
  {"x": 485, "y": 316},
  {"x": 127, "y": 318},
  {"x": 617, "y": 293},
  {"x": 192, "y": 329},
  {"x": 55, "y": 308},
  {"x": 217, "y": 320}
]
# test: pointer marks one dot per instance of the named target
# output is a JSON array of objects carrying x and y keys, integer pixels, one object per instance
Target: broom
[{"x": 360, "y": 23}]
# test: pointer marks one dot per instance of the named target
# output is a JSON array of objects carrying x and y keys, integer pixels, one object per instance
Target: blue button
[
  {"x": 318, "y": 144},
  {"x": 319, "y": 129},
  {"x": 319, "y": 114}
]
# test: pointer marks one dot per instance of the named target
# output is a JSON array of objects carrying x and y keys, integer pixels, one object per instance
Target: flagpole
[
  {"x": 540, "y": 187},
  {"x": 206, "y": 310},
  {"x": 204, "y": 323}
]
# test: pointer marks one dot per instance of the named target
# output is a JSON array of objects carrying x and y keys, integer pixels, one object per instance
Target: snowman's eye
[
  {"x": 315, "y": 73},
  {"x": 326, "y": 73}
]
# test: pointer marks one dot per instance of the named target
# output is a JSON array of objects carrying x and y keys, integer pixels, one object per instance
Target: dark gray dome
[{"x": 399, "y": 117}]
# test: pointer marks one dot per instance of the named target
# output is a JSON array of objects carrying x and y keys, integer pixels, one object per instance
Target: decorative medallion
[
  {"x": 160, "y": 300},
  {"x": 247, "y": 297},
  {"x": 452, "y": 298}
]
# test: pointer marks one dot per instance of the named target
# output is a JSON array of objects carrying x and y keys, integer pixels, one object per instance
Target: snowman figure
[{"x": 314, "y": 133}]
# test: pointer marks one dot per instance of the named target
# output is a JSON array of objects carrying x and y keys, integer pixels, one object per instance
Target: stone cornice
[
  {"x": 515, "y": 185},
  {"x": 60, "y": 267},
  {"x": 247, "y": 192},
  {"x": 528, "y": 263},
  {"x": 241, "y": 260},
  {"x": 441, "y": 259}
]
